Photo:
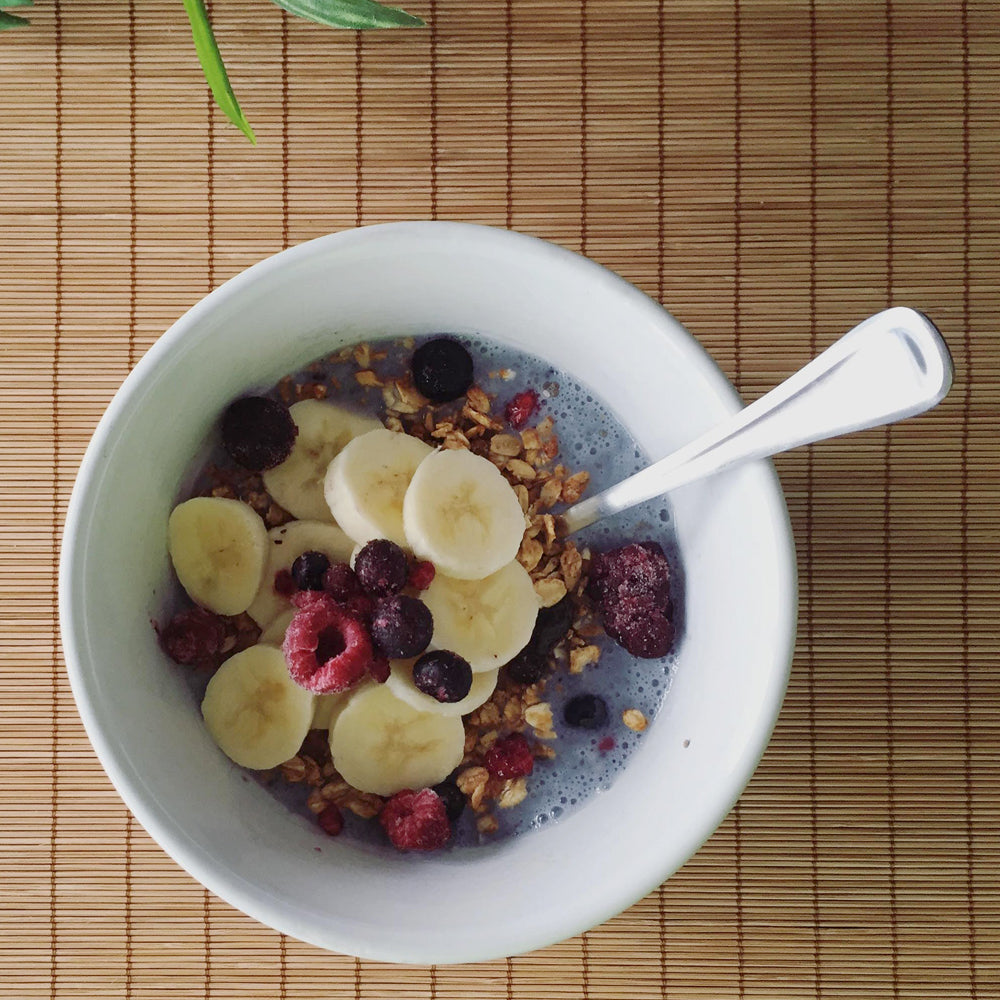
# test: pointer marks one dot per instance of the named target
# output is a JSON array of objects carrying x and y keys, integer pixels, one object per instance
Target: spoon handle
[{"x": 891, "y": 366}]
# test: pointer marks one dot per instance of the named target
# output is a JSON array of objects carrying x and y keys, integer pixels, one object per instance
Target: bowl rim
[{"x": 82, "y": 498}]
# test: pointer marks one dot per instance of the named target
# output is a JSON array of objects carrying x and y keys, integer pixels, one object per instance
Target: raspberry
[
  {"x": 327, "y": 649},
  {"x": 638, "y": 569},
  {"x": 443, "y": 675},
  {"x": 309, "y": 569},
  {"x": 258, "y": 432},
  {"x": 401, "y": 626},
  {"x": 416, "y": 821},
  {"x": 193, "y": 638},
  {"x": 641, "y": 625},
  {"x": 284, "y": 584},
  {"x": 521, "y": 408},
  {"x": 381, "y": 568},
  {"x": 379, "y": 669},
  {"x": 510, "y": 757},
  {"x": 442, "y": 369},
  {"x": 421, "y": 575},
  {"x": 331, "y": 820}
]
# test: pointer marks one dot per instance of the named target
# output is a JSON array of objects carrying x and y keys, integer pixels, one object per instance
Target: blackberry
[
  {"x": 309, "y": 570},
  {"x": 382, "y": 568},
  {"x": 401, "y": 626},
  {"x": 442, "y": 369},
  {"x": 443, "y": 675},
  {"x": 586, "y": 711},
  {"x": 258, "y": 433}
]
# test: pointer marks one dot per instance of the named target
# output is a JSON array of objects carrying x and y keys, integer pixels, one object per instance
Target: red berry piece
[
  {"x": 522, "y": 408},
  {"x": 258, "y": 432},
  {"x": 193, "y": 638},
  {"x": 327, "y": 648},
  {"x": 331, "y": 820},
  {"x": 510, "y": 757},
  {"x": 442, "y": 369},
  {"x": 421, "y": 575},
  {"x": 381, "y": 568},
  {"x": 635, "y": 570},
  {"x": 284, "y": 583},
  {"x": 341, "y": 583},
  {"x": 416, "y": 821},
  {"x": 379, "y": 669},
  {"x": 401, "y": 626}
]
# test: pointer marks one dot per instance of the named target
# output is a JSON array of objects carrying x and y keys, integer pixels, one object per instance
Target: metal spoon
[{"x": 893, "y": 365}]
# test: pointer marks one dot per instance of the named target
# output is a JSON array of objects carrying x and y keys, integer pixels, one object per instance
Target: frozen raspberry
[
  {"x": 521, "y": 408},
  {"x": 284, "y": 584},
  {"x": 454, "y": 801},
  {"x": 401, "y": 626},
  {"x": 258, "y": 432},
  {"x": 442, "y": 369},
  {"x": 381, "y": 568},
  {"x": 327, "y": 649},
  {"x": 309, "y": 570},
  {"x": 443, "y": 675},
  {"x": 641, "y": 625},
  {"x": 193, "y": 637},
  {"x": 586, "y": 711},
  {"x": 416, "y": 821},
  {"x": 379, "y": 669},
  {"x": 421, "y": 575},
  {"x": 638, "y": 569},
  {"x": 331, "y": 820},
  {"x": 510, "y": 757}
]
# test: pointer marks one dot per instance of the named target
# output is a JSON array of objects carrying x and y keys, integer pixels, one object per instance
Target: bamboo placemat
[{"x": 773, "y": 172}]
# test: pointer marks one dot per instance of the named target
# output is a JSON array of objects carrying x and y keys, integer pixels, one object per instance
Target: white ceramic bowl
[{"x": 460, "y": 905}]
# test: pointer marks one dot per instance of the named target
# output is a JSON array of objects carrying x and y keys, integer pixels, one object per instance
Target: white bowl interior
[{"x": 230, "y": 834}]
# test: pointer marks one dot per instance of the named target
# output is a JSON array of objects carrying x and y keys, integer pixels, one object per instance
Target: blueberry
[
  {"x": 442, "y": 369},
  {"x": 586, "y": 711},
  {"x": 308, "y": 570},
  {"x": 258, "y": 432},
  {"x": 443, "y": 675},
  {"x": 401, "y": 626},
  {"x": 551, "y": 626},
  {"x": 382, "y": 568},
  {"x": 528, "y": 667},
  {"x": 453, "y": 799}
]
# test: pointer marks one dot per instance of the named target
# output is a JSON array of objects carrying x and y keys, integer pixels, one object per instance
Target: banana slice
[
  {"x": 327, "y": 708},
  {"x": 287, "y": 543},
  {"x": 323, "y": 429},
  {"x": 381, "y": 744},
  {"x": 256, "y": 713},
  {"x": 274, "y": 634},
  {"x": 462, "y": 515},
  {"x": 401, "y": 684},
  {"x": 367, "y": 481},
  {"x": 487, "y": 621},
  {"x": 218, "y": 548}
]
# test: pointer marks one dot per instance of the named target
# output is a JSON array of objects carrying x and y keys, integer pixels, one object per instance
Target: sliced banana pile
[{"x": 349, "y": 480}]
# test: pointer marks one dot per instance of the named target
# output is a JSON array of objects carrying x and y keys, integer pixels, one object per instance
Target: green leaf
[
  {"x": 214, "y": 69},
  {"x": 16, "y": 3},
  {"x": 12, "y": 20},
  {"x": 357, "y": 14}
]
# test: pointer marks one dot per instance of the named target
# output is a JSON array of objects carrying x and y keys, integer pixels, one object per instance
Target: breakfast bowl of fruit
[{"x": 337, "y": 639}]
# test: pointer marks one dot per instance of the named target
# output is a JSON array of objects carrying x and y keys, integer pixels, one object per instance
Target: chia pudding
[{"x": 527, "y": 719}]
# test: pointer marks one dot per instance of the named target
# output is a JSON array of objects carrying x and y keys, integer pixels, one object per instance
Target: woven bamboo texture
[{"x": 773, "y": 172}]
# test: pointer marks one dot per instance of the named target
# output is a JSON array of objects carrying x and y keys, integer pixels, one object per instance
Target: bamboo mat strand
[{"x": 772, "y": 172}]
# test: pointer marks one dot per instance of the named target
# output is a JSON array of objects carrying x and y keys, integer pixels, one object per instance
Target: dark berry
[
  {"x": 331, "y": 820},
  {"x": 638, "y": 569},
  {"x": 327, "y": 648},
  {"x": 309, "y": 570},
  {"x": 528, "y": 667},
  {"x": 586, "y": 711},
  {"x": 258, "y": 432},
  {"x": 379, "y": 669},
  {"x": 401, "y": 626},
  {"x": 453, "y": 799},
  {"x": 442, "y": 369},
  {"x": 421, "y": 575},
  {"x": 193, "y": 637},
  {"x": 510, "y": 757},
  {"x": 521, "y": 408},
  {"x": 443, "y": 675},
  {"x": 416, "y": 821},
  {"x": 381, "y": 568},
  {"x": 648, "y": 636},
  {"x": 341, "y": 583},
  {"x": 551, "y": 626}
]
